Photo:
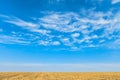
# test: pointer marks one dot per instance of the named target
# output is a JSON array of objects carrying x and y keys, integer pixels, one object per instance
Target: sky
[{"x": 59, "y": 35}]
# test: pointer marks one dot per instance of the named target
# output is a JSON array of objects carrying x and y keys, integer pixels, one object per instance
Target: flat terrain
[{"x": 59, "y": 76}]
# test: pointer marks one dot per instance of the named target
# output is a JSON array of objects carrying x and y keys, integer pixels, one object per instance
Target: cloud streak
[
  {"x": 71, "y": 29},
  {"x": 115, "y": 1},
  {"x": 34, "y": 27},
  {"x": 4, "y": 39}
]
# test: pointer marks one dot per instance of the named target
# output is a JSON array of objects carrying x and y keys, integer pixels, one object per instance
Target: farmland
[{"x": 59, "y": 76}]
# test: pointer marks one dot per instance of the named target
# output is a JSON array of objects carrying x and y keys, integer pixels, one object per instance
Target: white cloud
[
  {"x": 101, "y": 41},
  {"x": 114, "y": 44},
  {"x": 75, "y": 35},
  {"x": 59, "y": 22},
  {"x": 41, "y": 31},
  {"x": 56, "y": 43},
  {"x": 94, "y": 36},
  {"x": 97, "y": 22},
  {"x": 33, "y": 27},
  {"x": 86, "y": 39},
  {"x": 115, "y": 1},
  {"x": 17, "y": 21},
  {"x": 22, "y": 23},
  {"x": 12, "y": 40},
  {"x": 46, "y": 43},
  {"x": 72, "y": 22},
  {"x": 66, "y": 41},
  {"x": 71, "y": 28}
]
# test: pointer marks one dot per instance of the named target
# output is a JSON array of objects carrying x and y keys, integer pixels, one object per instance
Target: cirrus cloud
[{"x": 72, "y": 29}]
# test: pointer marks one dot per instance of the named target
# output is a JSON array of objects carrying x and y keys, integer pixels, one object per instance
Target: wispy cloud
[
  {"x": 71, "y": 29},
  {"x": 115, "y": 1},
  {"x": 19, "y": 22},
  {"x": 5, "y": 39},
  {"x": 46, "y": 43},
  {"x": 34, "y": 27},
  {"x": 83, "y": 25},
  {"x": 75, "y": 35}
]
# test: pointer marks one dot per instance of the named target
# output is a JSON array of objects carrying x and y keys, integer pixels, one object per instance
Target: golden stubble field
[{"x": 59, "y": 75}]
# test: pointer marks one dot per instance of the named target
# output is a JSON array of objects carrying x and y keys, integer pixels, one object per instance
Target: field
[{"x": 59, "y": 76}]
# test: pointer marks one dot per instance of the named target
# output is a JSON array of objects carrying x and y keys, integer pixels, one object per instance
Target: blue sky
[{"x": 59, "y": 35}]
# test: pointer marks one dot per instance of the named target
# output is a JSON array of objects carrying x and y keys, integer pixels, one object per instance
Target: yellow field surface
[{"x": 59, "y": 76}]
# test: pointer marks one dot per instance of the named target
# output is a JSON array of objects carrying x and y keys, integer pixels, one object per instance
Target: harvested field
[{"x": 59, "y": 76}]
